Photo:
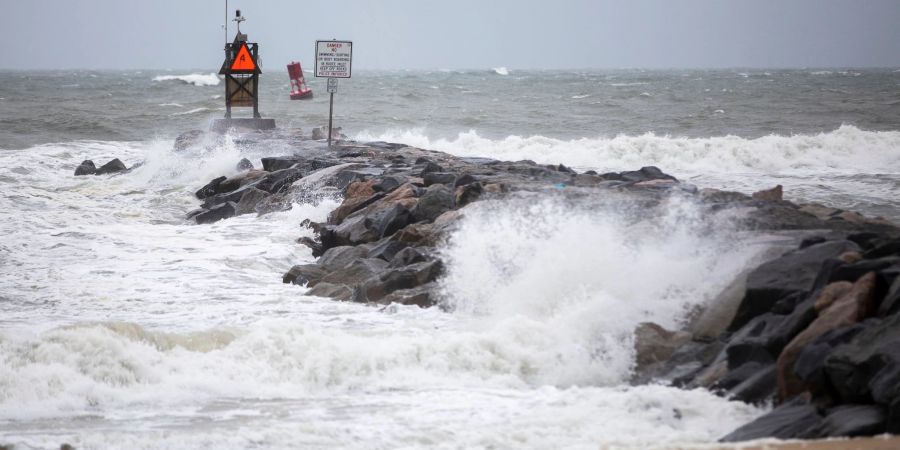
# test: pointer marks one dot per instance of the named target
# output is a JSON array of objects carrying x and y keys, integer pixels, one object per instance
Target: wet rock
[
  {"x": 793, "y": 274},
  {"x": 644, "y": 174},
  {"x": 866, "y": 368},
  {"x": 851, "y": 421},
  {"x": 210, "y": 189},
  {"x": 394, "y": 279},
  {"x": 244, "y": 164},
  {"x": 468, "y": 193},
  {"x": 757, "y": 388},
  {"x": 86, "y": 167},
  {"x": 276, "y": 163},
  {"x": 436, "y": 200},
  {"x": 421, "y": 296},
  {"x": 356, "y": 272},
  {"x": 216, "y": 213},
  {"x": 653, "y": 343},
  {"x": 439, "y": 178},
  {"x": 718, "y": 196},
  {"x": 386, "y": 249},
  {"x": 788, "y": 421},
  {"x": 111, "y": 167},
  {"x": 249, "y": 201},
  {"x": 890, "y": 305},
  {"x": 304, "y": 275},
  {"x": 852, "y": 272},
  {"x": 776, "y": 194},
  {"x": 239, "y": 181},
  {"x": 407, "y": 256},
  {"x": 464, "y": 180},
  {"x": 331, "y": 290},
  {"x": 883, "y": 249},
  {"x": 388, "y": 183},
  {"x": 839, "y": 305},
  {"x": 336, "y": 258},
  {"x": 810, "y": 365},
  {"x": 279, "y": 180},
  {"x": 188, "y": 139},
  {"x": 429, "y": 167}
]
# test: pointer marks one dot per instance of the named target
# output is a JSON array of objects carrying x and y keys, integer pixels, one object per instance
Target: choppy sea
[{"x": 123, "y": 325}]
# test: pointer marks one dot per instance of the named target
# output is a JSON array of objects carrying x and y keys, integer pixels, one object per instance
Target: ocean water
[{"x": 122, "y": 325}]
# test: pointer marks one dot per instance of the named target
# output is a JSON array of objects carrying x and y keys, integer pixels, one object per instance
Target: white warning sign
[{"x": 334, "y": 59}]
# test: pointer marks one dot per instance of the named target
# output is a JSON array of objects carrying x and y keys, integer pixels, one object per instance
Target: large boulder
[
  {"x": 249, "y": 201},
  {"x": 653, "y": 343},
  {"x": 111, "y": 167},
  {"x": 304, "y": 274},
  {"x": 793, "y": 274},
  {"x": 436, "y": 200},
  {"x": 217, "y": 213},
  {"x": 851, "y": 421},
  {"x": 840, "y": 304},
  {"x": 394, "y": 279},
  {"x": 86, "y": 167},
  {"x": 210, "y": 189},
  {"x": 789, "y": 421},
  {"x": 868, "y": 367}
]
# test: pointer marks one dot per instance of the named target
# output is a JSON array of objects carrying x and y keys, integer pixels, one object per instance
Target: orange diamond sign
[{"x": 243, "y": 61}]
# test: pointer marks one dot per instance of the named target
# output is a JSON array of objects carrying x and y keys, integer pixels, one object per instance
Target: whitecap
[
  {"x": 501, "y": 70},
  {"x": 581, "y": 96},
  {"x": 197, "y": 79}
]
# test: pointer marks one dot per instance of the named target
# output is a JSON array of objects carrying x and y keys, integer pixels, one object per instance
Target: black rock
[
  {"x": 645, "y": 174},
  {"x": 249, "y": 201},
  {"x": 740, "y": 374},
  {"x": 851, "y": 421},
  {"x": 278, "y": 181},
  {"x": 336, "y": 258},
  {"x": 111, "y": 167},
  {"x": 188, "y": 139},
  {"x": 304, "y": 274},
  {"x": 810, "y": 363},
  {"x": 436, "y": 200},
  {"x": 886, "y": 248},
  {"x": 790, "y": 420},
  {"x": 439, "y": 178},
  {"x": 812, "y": 240},
  {"x": 891, "y": 303},
  {"x": 210, "y": 189},
  {"x": 388, "y": 183},
  {"x": 430, "y": 167},
  {"x": 864, "y": 369},
  {"x": 407, "y": 256},
  {"x": 852, "y": 272},
  {"x": 244, "y": 164},
  {"x": 407, "y": 277},
  {"x": 276, "y": 163},
  {"x": 386, "y": 249},
  {"x": 468, "y": 193},
  {"x": 794, "y": 273},
  {"x": 464, "y": 180},
  {"x": 757, "y": 388},
  {"x": 216, "y": 213},
  {"x": 86, "y": 167}
]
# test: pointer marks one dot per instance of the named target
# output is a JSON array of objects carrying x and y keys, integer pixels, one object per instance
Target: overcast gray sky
[{"x": 425, "y": 34}]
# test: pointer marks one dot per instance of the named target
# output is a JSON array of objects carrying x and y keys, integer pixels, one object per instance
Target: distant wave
[
  {"x": 501, "y": 70},
  {"x": 197, "y": 79},
  {"x": 581, "y": 96},
  {"x": 193, "y": 111},
  {"x": 845, "y": 150}
]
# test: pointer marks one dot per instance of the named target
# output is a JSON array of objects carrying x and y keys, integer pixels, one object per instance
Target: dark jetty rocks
[
  {"x": 815, "y": 330},
  {"x": 87, "y": 167}
]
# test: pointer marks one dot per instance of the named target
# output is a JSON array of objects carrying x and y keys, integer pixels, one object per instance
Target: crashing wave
[
  {"x": 501, "y": 70},
  {"x": 197, "y": 79}
]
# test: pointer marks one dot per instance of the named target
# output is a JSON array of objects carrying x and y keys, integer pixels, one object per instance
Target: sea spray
[{"x": 570, "y": 280}]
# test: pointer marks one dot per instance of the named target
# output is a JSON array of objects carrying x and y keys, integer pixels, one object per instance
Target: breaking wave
[
  {"x": 197, "y": 79},
  {"x": 501, "y": 70},
  {"x": 844, "y": 150}
]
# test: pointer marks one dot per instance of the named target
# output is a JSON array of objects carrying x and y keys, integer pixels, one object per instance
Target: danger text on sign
[{"x": 334, "y": 59}]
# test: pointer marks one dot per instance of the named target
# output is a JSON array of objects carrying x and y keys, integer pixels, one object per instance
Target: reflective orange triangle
[{"x": 243, "y": 60}]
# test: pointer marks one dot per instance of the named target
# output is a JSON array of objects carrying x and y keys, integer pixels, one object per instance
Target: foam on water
[
  {"x": 157, "y": 333},
  {"x": 197, "y": 79}
]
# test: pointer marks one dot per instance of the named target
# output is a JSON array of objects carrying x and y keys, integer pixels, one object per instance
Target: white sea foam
[
  {"x": 177, "y": 105},
  {"x": 191, "y": 111},
  {"x": 197, "y": 79},
  {"x": 845, "y": 150},
  {"x": 501, "y": 70},
  {"x": 580, "y": 96}
]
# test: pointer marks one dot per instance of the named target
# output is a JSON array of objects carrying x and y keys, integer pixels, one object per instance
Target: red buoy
[{"x": 299, "y": 90}]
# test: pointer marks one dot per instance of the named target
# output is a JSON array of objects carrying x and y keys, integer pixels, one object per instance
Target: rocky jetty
[{"x": 814, "y": 330}]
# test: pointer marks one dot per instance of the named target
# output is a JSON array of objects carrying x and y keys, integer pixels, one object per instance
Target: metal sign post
[
  {"x": 334, "y": 59},
  {"x": 332, "y": 88}
]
